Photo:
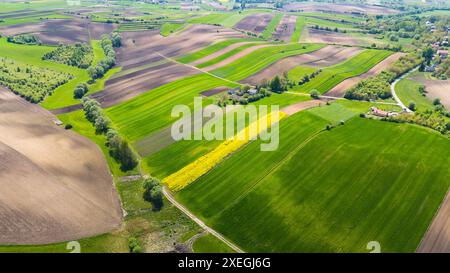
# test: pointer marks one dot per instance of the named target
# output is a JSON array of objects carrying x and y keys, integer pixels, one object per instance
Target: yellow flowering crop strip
[{"x": 201, "y": 166}]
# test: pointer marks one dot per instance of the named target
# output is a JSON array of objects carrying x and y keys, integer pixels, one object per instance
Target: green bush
[{"x": 78, "y": 55}]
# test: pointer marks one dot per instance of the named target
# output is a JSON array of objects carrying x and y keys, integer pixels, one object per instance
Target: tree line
[{"x": 118, "y": 147}]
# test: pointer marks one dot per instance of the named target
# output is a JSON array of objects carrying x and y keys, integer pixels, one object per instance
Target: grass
[
  {"x": 312, "y": 21},
  {"x": 270, "y": 28},
  {"x": 408, "y": 91},
  {"x": 159, "y": 164},
  {"x": 261, "y": 58},
  {"x": 210, "y": 50},
  {"x": 299, "y": 25},
  {"x": 297, "y": 73},
  {"x": 332, "y": 17},
  {"x": 151, "y": 111},
  {"x": 333, "y": 75},
  {"x": 210, "y": 244},
  {"x": 169, "y": 28},
  {"x": 304, "y": 198},
  {"x": 228, "y": 19}
]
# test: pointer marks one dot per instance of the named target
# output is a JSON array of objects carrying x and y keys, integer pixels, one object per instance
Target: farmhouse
[{"x": 381, "y": 113}]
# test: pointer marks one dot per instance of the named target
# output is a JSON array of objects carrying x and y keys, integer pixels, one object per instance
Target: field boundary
[{"x": 197, "y": 220}]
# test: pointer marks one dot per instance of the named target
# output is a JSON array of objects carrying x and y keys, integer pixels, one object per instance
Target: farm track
[{"x": 219, "y": 236}]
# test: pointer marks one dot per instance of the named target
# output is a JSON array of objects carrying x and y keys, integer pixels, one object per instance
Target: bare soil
[
  {"x": 437, "y": 237},
  {"x": 255, "y": 23},
  {"x": 61, "y": 31},
  {"x": 438, "y": 89},
  {"x": 339, "y": 90},
  {"x": 300, "y": 106},
  {"x": 55, "y": 184},
  {"x": 285, "y": 28},
  {"x": 331, "y": 37},
  {"x": 339, "y": 8}
]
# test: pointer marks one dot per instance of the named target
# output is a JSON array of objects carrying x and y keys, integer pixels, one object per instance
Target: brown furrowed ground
[
  {"x": 300, "y": 106},
  {"x": 65, "y": 31},
  {"x": 55, "y": 184},
  {"x": 437, "y": 237},
  {"x": 339, "y": 90},
  {"x": 144, "y": 67},
  {"x": 339, "y": 8},
  {"x": 285, "y": 28},
  {"x": 438, "y": 89},
  {"x": 325, "y": 56},
  {"x": 255, "y": 23},
  {"x": 331, "y": 37}
]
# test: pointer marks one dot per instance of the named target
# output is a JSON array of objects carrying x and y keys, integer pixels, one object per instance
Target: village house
[
  {"x": 442, "y": 53},
  {"x": 381, "y": 113}
]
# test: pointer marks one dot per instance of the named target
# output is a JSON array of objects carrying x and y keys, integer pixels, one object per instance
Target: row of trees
[
  {"x": 80, "y": 90},
  {"x": 118, "y": 147},
  {"x": 24, "y": 39},
  {"x": 108, "y": 43},
  {"x": 378, "y": 87}
]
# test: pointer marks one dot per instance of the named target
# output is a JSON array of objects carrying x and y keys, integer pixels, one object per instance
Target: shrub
[
  {"x": 314, "y": 94},
  {"x": 68, "y": 126},
  {"x": 153, "y": 193},
  {"x": 78, "y": 55}
]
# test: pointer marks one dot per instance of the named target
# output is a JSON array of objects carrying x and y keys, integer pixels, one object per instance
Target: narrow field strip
[
  {"x": 270, "y": 29},
  {"x": 299, "y": 25},
  {"x": 201, "y": 166},
  {"x": 225, "y": 56},
  {"x": 261, "y": 58}
]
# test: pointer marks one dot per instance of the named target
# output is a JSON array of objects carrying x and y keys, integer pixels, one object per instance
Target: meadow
[
  {"x": 225, "y": 55},
  {"x": 331, "y": 76},
  {"x": 304, "y": 197},
  {"x": 407, "y": 90},
  {"x": 299, "y": 25},
  {"x": 169, "y": 28}
]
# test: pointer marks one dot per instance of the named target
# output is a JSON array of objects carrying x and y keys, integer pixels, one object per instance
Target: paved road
[{"x": 396, "y": 98}]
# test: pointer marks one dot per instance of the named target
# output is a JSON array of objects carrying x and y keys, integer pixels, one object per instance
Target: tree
[
  {"x": 127, "y": 157},
  {"x": 276, "y": 85},
  {"x": 80, "y": 90},
  {"x": 412, "y": 106},
  {"x": 437, "y": 101},
  {"x": 428, "y": 54},
  {"x": 153, "y": 193},
  {"x": 314, "y": 94}
]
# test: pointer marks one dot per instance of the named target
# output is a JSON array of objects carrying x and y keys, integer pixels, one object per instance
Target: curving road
[{"x": 394, "y": 95}]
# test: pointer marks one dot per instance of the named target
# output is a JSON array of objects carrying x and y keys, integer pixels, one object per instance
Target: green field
[
  {"x": 270, "y": 28},
  {"x": 333, "y": 75},
  {"x": 169, "y": 28},
  {"x": 228, "y": 19},
  {"x": 210, "y": 50},
  {"x": 261, "y": 58},
  {"x": 225, "y": 55},
  {"x": 133, "y": 118},
  {"x": 210, "y": 244},
  {"x": 407, "y": 90},
  {"x": 299, "y": 25},
  {"x": 159, "y": 164},
  {"x": 304, "y": 198}
]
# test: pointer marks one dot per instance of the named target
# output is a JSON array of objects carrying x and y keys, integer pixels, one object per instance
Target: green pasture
[
  {"x": 407, "y": 90},
  {"x": 303, "y": 197}
]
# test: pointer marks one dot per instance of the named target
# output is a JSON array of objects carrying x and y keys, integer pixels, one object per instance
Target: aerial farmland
[{"x": 224, "y": 126}]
